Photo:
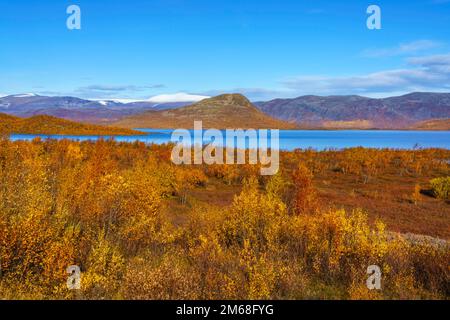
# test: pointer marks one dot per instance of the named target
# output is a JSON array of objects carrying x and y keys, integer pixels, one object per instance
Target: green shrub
[{"x": 441, "y": 187}]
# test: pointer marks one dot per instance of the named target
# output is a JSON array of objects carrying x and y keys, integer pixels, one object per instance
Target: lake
[{"x": 294, "y": 139}]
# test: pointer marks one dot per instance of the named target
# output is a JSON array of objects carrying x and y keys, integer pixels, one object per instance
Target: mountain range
[
  {"x": 221, "y": 112},
  {"x": 76, "y": 109},
  {"x": 309, "y": 112},
  {"x": 356, "y": 111}
]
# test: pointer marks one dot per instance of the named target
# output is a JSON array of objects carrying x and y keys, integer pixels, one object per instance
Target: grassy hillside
[
  {"x": 52, "y": 125},
  {"x": 225, "y": 111},
  {"x": 338, "y": 125},
  {"x": 436, "y": 124}
]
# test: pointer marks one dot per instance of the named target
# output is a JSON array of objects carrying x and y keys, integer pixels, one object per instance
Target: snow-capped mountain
[{"x": 92, "y": 110}]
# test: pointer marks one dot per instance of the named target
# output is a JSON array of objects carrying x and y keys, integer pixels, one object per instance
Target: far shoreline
[{"x": 307, "y": 129}]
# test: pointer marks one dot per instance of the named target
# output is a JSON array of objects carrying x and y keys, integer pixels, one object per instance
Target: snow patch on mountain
[
  {"x": 177, "y": 97},
  {"x": 112, "y": 101},
  {"x": 25, "y": 95}
]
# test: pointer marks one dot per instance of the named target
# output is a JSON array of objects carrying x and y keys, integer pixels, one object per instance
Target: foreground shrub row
[{"x": 108, "y": 208}]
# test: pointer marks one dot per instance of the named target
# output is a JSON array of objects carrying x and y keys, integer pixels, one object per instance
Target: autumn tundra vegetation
[
  {"x": 48, "y": 125},
  {"x": 140, "y": 227}
]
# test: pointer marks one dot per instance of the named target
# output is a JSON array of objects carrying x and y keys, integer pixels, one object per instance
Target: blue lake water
[{"x": 294, "y": 139}]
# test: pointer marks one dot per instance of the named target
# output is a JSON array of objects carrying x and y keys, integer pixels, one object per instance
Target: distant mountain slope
[
  {"x": 71, "y": 108},
  {"x": 440, "y": 124},
  {"x": 394, "y": 112},
  {"x": 51, "y": 125},
  {"x": 225, "y": 111},
  {"x": 329, "y": 112}
]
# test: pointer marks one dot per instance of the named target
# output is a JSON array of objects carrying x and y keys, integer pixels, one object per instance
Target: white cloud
[
  {"x": 106, "y": 92},
  {"x": 426, "y": 73},
  {"x": 436, "y": 60},
  {"x": 430, "y": 73},
  {"x": 402, "y": 49},
  {"x": 120, "y": 88},
  {"x": 118, "y": 100},
  {"x": 177, "y": 97}
]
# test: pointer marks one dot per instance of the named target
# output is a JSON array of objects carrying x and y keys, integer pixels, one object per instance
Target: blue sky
[{"x": 264, "y": 48}]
